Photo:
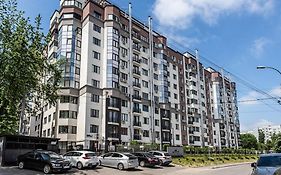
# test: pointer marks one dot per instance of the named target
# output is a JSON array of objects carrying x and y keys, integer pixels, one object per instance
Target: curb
[{"x": 230, "y": 165}]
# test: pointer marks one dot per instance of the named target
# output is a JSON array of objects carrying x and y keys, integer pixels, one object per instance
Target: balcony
[
  {"x": 137, "y": 84},
  {"x": 190, "y": 122},
  {"x": 113, "y": 135},
  {"x": 123, "y": 80},
  {"x": 137, "y": 123},
  {"x": 165, "y": 127},
  {"x": 136, "y": 60},
  {"x": 137, "y": 110},
  {"x": 165, "y": 116},
  {"x": 137, "y": 137},
  {"x": 136, "y": 37},
  {"x": 114, "y": 120},
  {"x": 137, "y": 97},
  {"x": 136, "y": 47},
  {"x": 136, "y": 71},
  {"x": 166, "y": 139}
]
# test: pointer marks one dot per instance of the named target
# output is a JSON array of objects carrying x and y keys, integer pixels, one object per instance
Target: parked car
[
  {"x": 45, "y": 161},
  {"x": 267, "y": 164},
  {"x": 81, "y": 159},
  {"x": 119, "y": 160},
  {"x": 146, "y": 159},
  {"x": 164, "y": 157}
]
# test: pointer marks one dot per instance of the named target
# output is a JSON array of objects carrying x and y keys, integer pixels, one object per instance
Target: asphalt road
[{"x": 244, "y": 169}]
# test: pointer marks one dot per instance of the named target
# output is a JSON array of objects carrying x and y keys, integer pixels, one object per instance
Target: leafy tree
[
  {"x": 249, "y": 141},
  {"x": 261, "y": 136},
  {"x": 26, "y": 74}
]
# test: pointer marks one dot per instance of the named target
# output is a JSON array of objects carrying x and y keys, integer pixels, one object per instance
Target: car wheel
[
  {"x": 21, "y": 165},
  {"x": 47, "y": 169},
  {"x": 142, "y": 163},
  {"x": 99, "y": 163},
  {"x": 94, "y": 166},
  {"x": 120, "y": 166},
  {"x": 79, "y": 165}
]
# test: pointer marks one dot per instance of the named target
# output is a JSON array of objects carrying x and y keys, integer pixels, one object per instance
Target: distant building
[{"x": 270, "y": 130}]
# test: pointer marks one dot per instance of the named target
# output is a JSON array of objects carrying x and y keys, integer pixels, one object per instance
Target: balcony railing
[
  {"x": 135, "y": 71},
  {"x": 137, "y": 137},
  {"x": 137, "y": 123},
  {"x": 114, "y": 119},
  {"x": 165, "y": 127},
  {"x": 136, "y": 59},
  {"x": 137, "y": 110},
  {"x": 136, "y": 47},
  {"x": 113, "y": 135},
  {"x": 137, "y": 97},
  {"x": 136, "y": 84}
]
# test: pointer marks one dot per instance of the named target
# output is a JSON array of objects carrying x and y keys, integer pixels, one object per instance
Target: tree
[
  {"x": 249, "y": 141},
  {"x": 261, "y": 136},
  {"x": 23, "y": 66}
]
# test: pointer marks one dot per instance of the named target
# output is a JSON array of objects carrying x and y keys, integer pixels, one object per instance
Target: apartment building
[
  {"x": 122, "y": 82},
  {"x": 269, "y": 131}
]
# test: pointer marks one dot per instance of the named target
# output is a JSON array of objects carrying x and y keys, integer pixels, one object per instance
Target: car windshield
[
  {"x": 129, "y": 155},
  {"x": 148, "y": 155},
  {"x": 269, "y": 161},
  {"x": 48, "y": 156}
]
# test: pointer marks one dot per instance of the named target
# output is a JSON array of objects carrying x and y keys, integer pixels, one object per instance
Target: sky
[{"x": 238, "y": 35}]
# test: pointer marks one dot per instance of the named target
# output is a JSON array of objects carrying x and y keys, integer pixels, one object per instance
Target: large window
[
  {"x": 97, "y": 28},
  {"x": 94, "y": 113},
  {"x": 94, "y": 129},
  {"x": 96, "y": 41},
  {"x": 96, "y": 69},
  {"x": 95, "y": 98},
  {"x": 96, "y": 83},
  {"x": 63, "y": 129},
  {"x": 96, "y": 55},
  {"x": 68, "y": 114}
]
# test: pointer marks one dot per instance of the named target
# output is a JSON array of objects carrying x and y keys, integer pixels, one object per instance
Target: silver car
[
  {"x": 81, "y": 159},
  {"x": 267, "y": 164},
  {"x": 164, "y": 157},
  {"x": 119, "y": 160}
]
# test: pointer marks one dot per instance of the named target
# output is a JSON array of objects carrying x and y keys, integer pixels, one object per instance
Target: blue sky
[{"x": 235, "y": 34}]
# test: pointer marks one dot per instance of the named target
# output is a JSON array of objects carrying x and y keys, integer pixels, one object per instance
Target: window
[
  {"x": 96, "y": 55},
  {"x": 177, "y": 126},
  {"x": 96, "y": 83},
  {"x": 174, "y": 67},
  {"x": 145, "y": 108},
  {"x": 146, "y": 120},
  {"x": 115, "y": 70},
  {"x": 94, "y": 129},
  {"x": 78, "y": 57},
  {"x": 48, "y": 132},
  {"x": 44, "y": 133},
  {"x": 124, "y": 103},
  {"x": 144, "y": 60},
  {"x": 78, "y": 44},
  {"x": 49, "y": 118},
  {"x": 97, "y": 28},
  {"x": 145, "y": 96},
  {"x": 145, "y": 133},
  {"x": 97, "y": 15},
  {"x": 94, "y": 113},
  {"x": 95, "y": 98},
  {"x": 124, "y": 117},
  {"x": 68, "y": 99},
  {"x": 155, "y": 76},
  {"x": 96, "y": 69},
  {"x": 73, "y": 130},
  {"x": 113, "y": 17},
  {"x": 77, "y": 70},
  {"x": 145, "y": 72},
  {"x": 69, "y": 41},
  {"x": 115, "y": 43},
  {"x": 175, "y": 96},
  {"x": 175, "y": 76},
  {"x": 68, "y": 114},
  {"x": 177, "y": 137},
  {"x": 63, "y": 129},
  {"x": 124, "y": 131},
  {"x": 96, "y": 41},
  {"x": 45, "y": 120},
  {"x": 145, "y": 84},
  {"x": 175, "y": 86},
  {"x": 156, "y": 122}
]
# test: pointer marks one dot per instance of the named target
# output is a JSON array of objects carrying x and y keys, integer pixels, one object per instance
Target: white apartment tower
[{"x": 121, "y": 82}]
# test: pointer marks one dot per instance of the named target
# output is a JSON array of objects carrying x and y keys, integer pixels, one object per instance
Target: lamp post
[{"x": 267, "y": 67}]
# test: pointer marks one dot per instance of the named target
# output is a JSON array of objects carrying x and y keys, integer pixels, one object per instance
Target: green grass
[{"x": 206, "y": 160}]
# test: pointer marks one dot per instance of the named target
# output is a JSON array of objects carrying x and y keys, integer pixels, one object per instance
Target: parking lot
[{"x": 99, "y": 170}]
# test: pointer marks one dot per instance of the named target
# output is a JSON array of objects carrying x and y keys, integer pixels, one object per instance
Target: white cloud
[
  {"x": 259, "y": 45},
  {"x": 180, "y": 13},
  {"x": 254, "y": 127},
  {"x": 276, "y": 92}
]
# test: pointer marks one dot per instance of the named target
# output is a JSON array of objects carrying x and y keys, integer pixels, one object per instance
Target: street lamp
[{"x": 267, "y": 67}]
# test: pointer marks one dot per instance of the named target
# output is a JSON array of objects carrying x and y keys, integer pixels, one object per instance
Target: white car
[
  {"x": 164, "y": 157},
  {"x": 119, "y": 160},
  {"x": 81, "y": 159}
]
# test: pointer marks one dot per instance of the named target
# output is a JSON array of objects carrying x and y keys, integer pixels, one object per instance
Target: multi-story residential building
[
  {"x": 121, "y": 82},
  {"x": 269, "y": 131}
]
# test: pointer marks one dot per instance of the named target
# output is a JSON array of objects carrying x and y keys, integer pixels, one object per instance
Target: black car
[
  {"x": 43, "y": 160},
  {"x": 146, "y": 159}
]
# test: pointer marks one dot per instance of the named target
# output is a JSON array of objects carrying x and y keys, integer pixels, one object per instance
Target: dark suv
[
  {"x": 45, "y": 161},
  {"x": 268, "y": 164},
  {"x": 146, "y": 159}
]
